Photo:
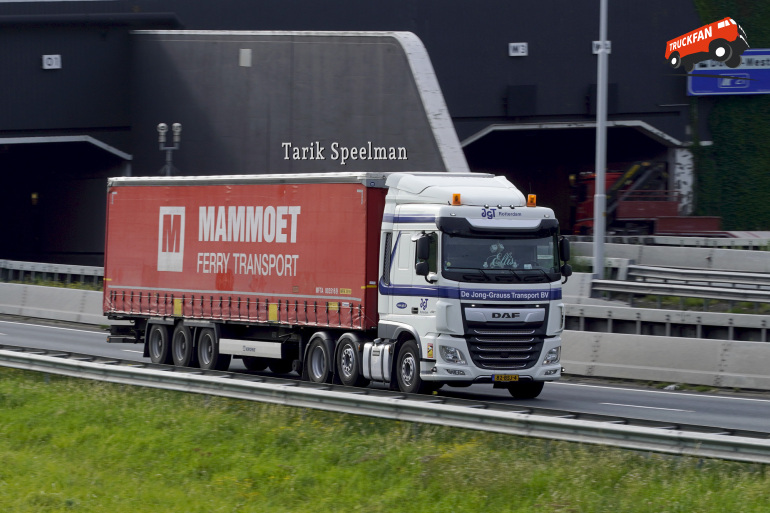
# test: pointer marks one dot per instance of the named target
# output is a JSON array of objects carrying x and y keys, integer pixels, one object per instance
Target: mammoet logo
[{"x": 171, "y": 239}]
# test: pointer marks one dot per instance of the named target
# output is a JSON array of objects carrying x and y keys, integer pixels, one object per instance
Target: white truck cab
[{"x": 470, "y": 286}]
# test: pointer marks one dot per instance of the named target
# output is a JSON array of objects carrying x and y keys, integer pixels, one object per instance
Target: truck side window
[
  {"x": 433, "y": 258},
  {"x": 386, "y": 258}
]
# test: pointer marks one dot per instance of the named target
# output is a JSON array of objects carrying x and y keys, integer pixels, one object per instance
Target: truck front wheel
[
  {"x": 158, "y": 344},
  {"x": 208, "y": 352},
  {"x": 526, "y": 389},
  {"x": 408, "y": 370}
]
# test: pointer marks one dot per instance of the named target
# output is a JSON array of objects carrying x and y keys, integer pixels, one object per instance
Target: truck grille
[
  {"x": 504, "y": 346},
  {"x": 504, "y": 353}
]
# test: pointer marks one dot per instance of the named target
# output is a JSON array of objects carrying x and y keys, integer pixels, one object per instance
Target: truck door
[{"x": 415, "y": 298}]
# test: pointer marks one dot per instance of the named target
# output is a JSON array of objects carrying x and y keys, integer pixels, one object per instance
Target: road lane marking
[
  {"x": 702, "y": 396},
  {"x": 647, "y": 407},
  {"x": 55, "y": 327},
  {"x": 132, "y": 351}
]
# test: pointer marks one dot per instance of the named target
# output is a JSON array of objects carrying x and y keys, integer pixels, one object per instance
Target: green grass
[{"x": 70, "y": 445}]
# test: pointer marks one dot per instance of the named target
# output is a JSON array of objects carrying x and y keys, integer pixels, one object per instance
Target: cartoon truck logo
[{"x": 722, "y": 41}]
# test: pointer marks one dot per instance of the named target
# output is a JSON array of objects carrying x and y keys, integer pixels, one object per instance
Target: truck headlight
[
  {"x": 552, "y": 356},
  {"x": 452, "y": 355}
]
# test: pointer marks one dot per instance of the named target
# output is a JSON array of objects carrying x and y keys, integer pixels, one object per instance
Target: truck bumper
[{"x": 437, "y": 369}]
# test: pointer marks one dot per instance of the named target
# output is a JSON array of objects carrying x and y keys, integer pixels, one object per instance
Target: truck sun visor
[{"x": 465, "y": 226}]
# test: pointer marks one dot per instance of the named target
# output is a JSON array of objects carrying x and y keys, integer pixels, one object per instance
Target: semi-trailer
[{"x": 416, "y": 280}]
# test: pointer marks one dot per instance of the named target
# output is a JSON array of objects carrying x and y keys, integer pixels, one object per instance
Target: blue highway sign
[{"x": 751, "y": 77}]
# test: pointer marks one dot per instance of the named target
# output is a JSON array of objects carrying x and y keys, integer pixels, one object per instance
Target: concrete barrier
[
  {"x": 71, "y": 305},
  {"x": 718, "y": 363},
  {"x": 686, "y": 257}
]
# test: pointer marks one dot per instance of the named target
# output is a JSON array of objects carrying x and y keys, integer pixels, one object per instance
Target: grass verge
[{"x": 76, "y": 445}]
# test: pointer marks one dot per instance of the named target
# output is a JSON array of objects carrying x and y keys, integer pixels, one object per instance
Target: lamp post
[
  {"x": 176, "y": 128},
  {"x": 600, "y": 198}
]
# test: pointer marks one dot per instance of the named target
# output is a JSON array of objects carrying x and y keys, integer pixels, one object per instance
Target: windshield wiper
[{"x": 467, "y": 276}]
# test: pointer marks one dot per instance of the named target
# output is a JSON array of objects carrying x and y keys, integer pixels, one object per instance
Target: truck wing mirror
[
  {"x": 566, "y": 271},
  {"x": 564, "y": 252},
  {"x": 421, "y": 268},
  {"x": 423, "y": 248}
]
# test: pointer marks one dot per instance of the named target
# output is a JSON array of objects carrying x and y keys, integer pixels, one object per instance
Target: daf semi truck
[{"x": 416, "y": 280}]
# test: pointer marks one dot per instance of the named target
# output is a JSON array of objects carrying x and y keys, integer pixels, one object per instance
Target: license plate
[{"x": 506, "y": 377}]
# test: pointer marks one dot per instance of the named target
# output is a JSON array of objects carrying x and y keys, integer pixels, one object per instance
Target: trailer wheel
[
  {"x": 526, "y": 390},
  {"x": 253, "y": 363},
  {"x": 208, "y": 351},
  {"x": 182, "y": 347},
  {"x": 348, "y": 362},
  {"x": 408, "y": 370},
  {"x": 158, "y": 344},
  {"x": 319, "y": 362}
]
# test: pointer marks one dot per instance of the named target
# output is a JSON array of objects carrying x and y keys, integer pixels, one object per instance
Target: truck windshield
[{"x": 505, "y": 259}]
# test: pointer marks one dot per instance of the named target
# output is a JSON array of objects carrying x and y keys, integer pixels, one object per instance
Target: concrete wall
[
  {"x": 718, "y": 363},
  {"x": 686, "y": 257},
  {"x": 282, "y": 102}
]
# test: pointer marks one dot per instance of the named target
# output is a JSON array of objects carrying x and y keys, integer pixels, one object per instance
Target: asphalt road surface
[{"x": 722, "y": 409}]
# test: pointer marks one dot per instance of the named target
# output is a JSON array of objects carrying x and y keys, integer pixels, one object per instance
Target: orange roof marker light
[
  {"x": 456, "y": 199},
  {"x": 531, "y": 200}
]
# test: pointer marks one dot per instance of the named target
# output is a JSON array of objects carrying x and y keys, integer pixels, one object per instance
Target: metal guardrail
[
  {"x": 698, "y": 276},
  {"x": 11, "y": 270},
  {"x": 668, "y": 289},
  {"x": 696, "y": 441},
  {"x": 752, "y": 244}
]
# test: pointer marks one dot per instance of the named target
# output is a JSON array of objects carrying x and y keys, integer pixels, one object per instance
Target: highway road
[{"x": 724, "y": 409}]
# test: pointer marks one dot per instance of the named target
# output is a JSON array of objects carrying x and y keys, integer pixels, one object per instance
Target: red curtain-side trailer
[{"x": 243, "y": 251}]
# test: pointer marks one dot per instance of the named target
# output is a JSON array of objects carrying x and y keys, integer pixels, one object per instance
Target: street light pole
[
  {"x": 176, "y": 128},
  {"x": 600, "y": 198}
]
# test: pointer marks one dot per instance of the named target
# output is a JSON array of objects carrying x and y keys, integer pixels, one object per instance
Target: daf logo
[{"x": 505, "y": 315}]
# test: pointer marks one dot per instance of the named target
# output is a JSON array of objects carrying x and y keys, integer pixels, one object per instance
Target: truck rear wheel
[
  {"x": 526, "y": 389},
  {"x": 348, "y": 362},
  {"x": 182, "y": 348},
  {"x": 158, "y": 344},
  {"x": 208, "y": 351},
  {"x": 720, "y": 50}
]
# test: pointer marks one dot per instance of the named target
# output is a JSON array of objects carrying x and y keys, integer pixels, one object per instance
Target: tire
[
  {"x": 280, "y": 366},
  {"x": 253, "y": 363},
  {"x": 318, "y": 362},
  {"x": 408, "y": 370},
  {"x": 209, "y": 356},
  {"x": 526, "y": 389},
  {"x": 720, "y": 50},
  {"x": 158, "y": 344},
  {"x": 674, "y": 60},
  {"x": 734, "y": 61},
  {"x": 348, "y": 362},
  {"x": 183, "y": 352}
]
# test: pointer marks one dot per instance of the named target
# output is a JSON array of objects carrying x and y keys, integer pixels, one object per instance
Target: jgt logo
[
  {"x": 505, "y": 315},
  {"x": 488, "y": 213},
  {"x": 171, "y": 239}
]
